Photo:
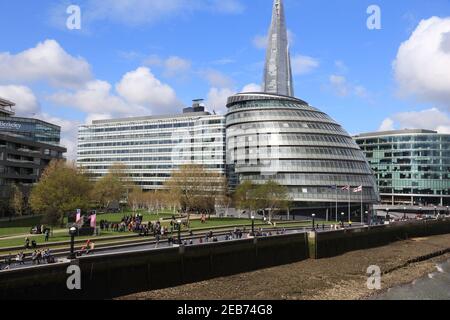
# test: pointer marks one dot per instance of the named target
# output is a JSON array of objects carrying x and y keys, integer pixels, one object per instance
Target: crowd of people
[{"x": 37, "y": 257}]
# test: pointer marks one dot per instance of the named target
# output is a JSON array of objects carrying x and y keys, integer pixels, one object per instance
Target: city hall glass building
[
  {"x": 280, "y": 138},
  {"x": 275, "y": 136},
  {"x": 152, "y": 147},
  {"x": 412, "y": 167}
]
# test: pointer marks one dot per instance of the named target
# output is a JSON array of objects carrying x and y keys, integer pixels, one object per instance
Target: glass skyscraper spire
[
  {"x": 274, "y": 136},
  {"x": 278, "y": 71}
]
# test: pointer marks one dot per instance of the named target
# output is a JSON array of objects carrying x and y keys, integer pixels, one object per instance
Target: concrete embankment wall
[
  {"x": 112, "y": 275},
  {"x": 329, "y": 244}
]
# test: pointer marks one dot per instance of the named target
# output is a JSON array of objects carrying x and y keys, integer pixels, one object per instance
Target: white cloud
[
  {"x": 343, "y": 88},
  {"x": 46, "y": 62},
  {"x": 339, "y": 85},
  {"x": 260, "y": 42},
  {"x": 432, "y": 119},
  {"x": 139, "y": 92},
  {"x": 217, "y": 79},
  {"x": 142, "y": 88},
  {"x": 69, "y": 131},
  {"x": 25, "y": 100},
  {"x": 423, "y": 62},
  {"x": 252, "y": 87},
  {"x": 217, "y": 99},
  {"x": 142, "y": 12},
  {"x": 175, "y": 66},
  {"x": 95, "y": 97},
  {"x": 303, "y": 64},
  {"x": 387, "y": 125}
]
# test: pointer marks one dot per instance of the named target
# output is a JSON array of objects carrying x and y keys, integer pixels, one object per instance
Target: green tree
[
  {"x": 244, "y": 197},
  {"x": 271, "y": 196},
  {"x": 197, "y": 189},
  {"x": 17, "y": 202},
  {"x": 112, "y": 187},
  {"x": 61, "y": 189}
]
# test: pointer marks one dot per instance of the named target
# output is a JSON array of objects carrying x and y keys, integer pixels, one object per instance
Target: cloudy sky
[{"x": 149, "y": 57}]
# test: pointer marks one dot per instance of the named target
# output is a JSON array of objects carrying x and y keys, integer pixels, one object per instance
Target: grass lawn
[
  {"x": 5, "y": 243},
  {"x": 23, "y": 226},
  {"x": 18, "y": 226}
]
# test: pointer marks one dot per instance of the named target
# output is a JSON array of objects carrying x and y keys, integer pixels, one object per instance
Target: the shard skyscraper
[{"x": 278, "y": 72}]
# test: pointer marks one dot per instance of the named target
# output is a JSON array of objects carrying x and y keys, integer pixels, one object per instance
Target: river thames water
[{"x": 434, "y": 286}]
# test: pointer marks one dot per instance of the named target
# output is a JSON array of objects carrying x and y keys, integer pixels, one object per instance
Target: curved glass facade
[
  {"x": 412, "y": 167},
  {"x": 273, "y": 137}
]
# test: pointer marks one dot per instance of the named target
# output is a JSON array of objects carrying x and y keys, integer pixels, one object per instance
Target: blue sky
[{"x": 134, "y": 57}]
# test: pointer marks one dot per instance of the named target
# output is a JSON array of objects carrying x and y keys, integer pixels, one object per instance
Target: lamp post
[
  {"x": 404, "y": 213},
  {"x": 342, "y": 218},
  {"x": 253, "y": 225},
  {"x": 72, "y": 231},
  {"x": 368, "y": 218},
  {"x": 179, "y": 231},
  {"x": 313, "y": 221},
  {"x": 447, "y": 210},
  {"x": 435, "y": 211}
]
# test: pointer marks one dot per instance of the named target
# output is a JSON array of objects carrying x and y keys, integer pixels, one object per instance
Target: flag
[
  {"x": 345, "y": 188},
  {"x": 359, "y": 189},
  {"x": 93, "y": 220},
  {"x": 333, "y": 187},
  {"x": 78, "y": 218}
]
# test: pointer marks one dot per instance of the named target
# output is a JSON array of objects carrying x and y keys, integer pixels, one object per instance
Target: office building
[
  {"x": 412, "y": 167},
  {"x": 23, "y": 154},
  {"x": 152, "y": 147}
]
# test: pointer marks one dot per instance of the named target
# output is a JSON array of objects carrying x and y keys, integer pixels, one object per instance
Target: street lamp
[
  {"x": 72, "y": 231},
  {"x": 342, "y": 218},
  {"x": 179, "y": 231},
  {"x": 404, "y": 213},
  {"x": 314, "y": 221},
  {"x": 368, "y": 218},
  {"x": 253, "y": 225},
  {"x": 435, "y": 211}
]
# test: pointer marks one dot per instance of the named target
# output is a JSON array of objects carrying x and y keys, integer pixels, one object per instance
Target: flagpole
[
  {"x": 349, "y": 205},
  {"x": 336, "y": 203},
  {"x": 362, "y": 213}
]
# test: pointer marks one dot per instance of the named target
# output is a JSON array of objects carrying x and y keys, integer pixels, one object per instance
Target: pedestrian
[
  {"x": 27, "y": 243},
  {"x": 34, "y": 257},
  {"x": 47, "y": 234}
]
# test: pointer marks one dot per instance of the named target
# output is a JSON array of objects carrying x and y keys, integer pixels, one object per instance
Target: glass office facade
[
  {"x": 273, "y": 137},
  {"x": 412, "y": 167},
  {"x": 31, "y": 129},
  {"x": 152, "y": 147}
]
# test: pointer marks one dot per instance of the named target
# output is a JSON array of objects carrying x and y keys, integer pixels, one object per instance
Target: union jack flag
[
  {"x": 346, "y": 188},
  {"x": 359, "y": 189}
]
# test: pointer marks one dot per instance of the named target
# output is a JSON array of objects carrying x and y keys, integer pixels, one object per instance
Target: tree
[
  {"x": 112, "y": 187},
  {"x": 196, "y": 188},
  {"x": 17, "y": 202},
  {"x": 244, "y": 197},
  {"x": 271, "y": 196},
  {"x": 62, "y": 189},
  {"x": 136, "y": 198}
]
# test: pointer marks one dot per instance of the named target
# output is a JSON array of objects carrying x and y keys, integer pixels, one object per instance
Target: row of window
[
  {"x": 288, "y": 125},
  {"x": 309, "y": 165},
  {"x": 179, "y": 150},
  {"x": 209, "y": 132},
  {"x": 277, "y": 114},
  {"x": 148, "y": 159},
  {"x": 315, "y": 179}
]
